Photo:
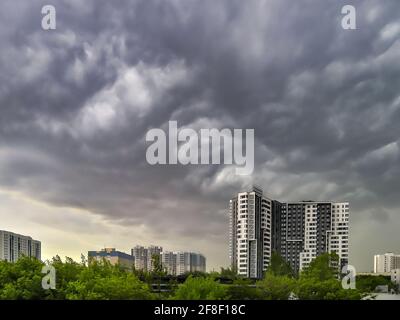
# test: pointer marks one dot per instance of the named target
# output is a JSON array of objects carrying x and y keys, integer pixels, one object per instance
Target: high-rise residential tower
[
  {"x": 13, "y": 246},
  {"x": 168, "y": 262},
  {"x": 126, "y": 261},
  {"x": 298, "y": 231},
  {"x": 250, "y": 232}
]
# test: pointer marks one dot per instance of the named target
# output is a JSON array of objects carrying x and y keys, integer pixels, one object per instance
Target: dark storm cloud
[{"x": 76, "y": 104}]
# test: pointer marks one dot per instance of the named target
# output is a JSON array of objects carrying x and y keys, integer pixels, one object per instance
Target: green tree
[
  {"x": 156, "y": 263},
  {"x": 21, "y": 280},
  {"x": 279, "y": 266},
  {"x": 229, "y": 273},
  {"x": 102, "y": 281},
  {"x": 319, "y": 281},
  {"x": 200, "y": 289},
  {"x": 275, "y": 287},
  {"x": 244, "y": 289}
]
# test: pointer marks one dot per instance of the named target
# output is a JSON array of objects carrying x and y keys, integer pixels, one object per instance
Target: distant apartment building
[
  {"x": 298, "y": 231},
  {"x": 178, "y": 263},
  {"x": 144, "y": 257},
  {"x": 13, "y": 246},
  {"x": 183, "y": 264},
  {"x": 115, "y": 257},
  {"x": 385, "y": 263},
  {"x": 168, "y": 262},
  {"x": 140, "y": 255},
  {"x": 153, "y": 251}
]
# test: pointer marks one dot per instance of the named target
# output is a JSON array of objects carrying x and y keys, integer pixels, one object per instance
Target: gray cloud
[{"x": 324, "y": 102}]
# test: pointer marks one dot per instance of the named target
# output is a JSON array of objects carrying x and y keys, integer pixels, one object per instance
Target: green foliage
[
  {"x": 23, "y": 280},
  {"x": 368, "y": 283},
  {"x": 244, "y": 289},
  {"x": 279, "y": 266},
  {"x": 323, "y": 267},
  {"x": 319, "y": 281},
  {"x": 101, "y": 280},
  {"x": 275, "y": 287},
  {"x": 200, "y": 289},
  {"x": 156, "y": 263},
  {"x": 106, "y": 282},
  {"x": 330, "y": 289}
]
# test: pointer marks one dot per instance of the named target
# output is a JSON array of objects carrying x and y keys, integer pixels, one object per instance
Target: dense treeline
[{"x": 101, "y": 280}]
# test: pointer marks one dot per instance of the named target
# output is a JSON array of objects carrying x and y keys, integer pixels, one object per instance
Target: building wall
[
  {"x": 338, "y": 236},
  {"x": 310, "y": 228},
  {"x": 13, "y": 246},
  {"x": 385, "y": 263},
  {"x": 395, "y": 276},
  {"x": 250, "y": 239},
  {"x": 182, "y": 262},
  {"x": 168, "y": 260},
  {"x": 298, "y": 231},
  {"x": 178, "y": 263},
  {"x": 115, "y": 257},
  {"x": 140, "y": 253},
  {"x": 292, "y": 233}
]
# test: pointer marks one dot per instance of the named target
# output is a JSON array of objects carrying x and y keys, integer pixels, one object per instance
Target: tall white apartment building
[
  {"x": 13, "y": 246},
  {"x": 385, "y": 263},
  {"x": 298, "y": 231},
  {"x": 250, "y": 233}
]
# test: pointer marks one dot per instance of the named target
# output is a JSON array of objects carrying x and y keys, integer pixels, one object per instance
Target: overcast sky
[{"x": 76, "y": 103}]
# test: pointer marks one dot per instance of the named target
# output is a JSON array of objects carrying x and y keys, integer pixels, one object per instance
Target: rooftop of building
[
  {"x": 110, "y": 252},
  {"x": 18, "y": 235}
]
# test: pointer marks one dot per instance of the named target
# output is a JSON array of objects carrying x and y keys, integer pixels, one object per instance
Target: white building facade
[
  {"x": 326, "y": 229},
  {"x": 385, "y": 263},
  {"x": 298, "y": 231},
  {"x": 250, "y": 233},
  {"x": 13, "y": 246},
  {"x": 395, "y": 276},
  {"x": 181, "y": 262}
]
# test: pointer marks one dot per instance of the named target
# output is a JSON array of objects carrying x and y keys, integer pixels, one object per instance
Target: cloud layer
[{"x": 77, "y": 102}]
